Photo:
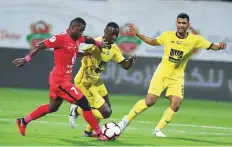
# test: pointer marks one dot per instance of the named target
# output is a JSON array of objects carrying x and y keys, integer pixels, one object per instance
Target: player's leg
[
  {"x": 138, "y": 108},
  {"x": 101, "y": 109},
  {"x": 94, "y": 105},
  {"x": 74, "y": 110},
  {"x": 107, "y": 100},
  {"x": 175, "y": 93},
  {"x": 94, "y": 94},
  {"x": 155, "y": 89},
  {"x": 91, "y": 93},
  {"x": 105, "y": 111},
  {"x": 103, "y": 103},
  {"x": 73, "y": 95},
  {"x": 42, "y": 110}
]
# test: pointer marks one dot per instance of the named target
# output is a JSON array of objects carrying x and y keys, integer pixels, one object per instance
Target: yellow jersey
[
  {"x": 92, "y": 67},
  {"x": 175, "y": 49}
]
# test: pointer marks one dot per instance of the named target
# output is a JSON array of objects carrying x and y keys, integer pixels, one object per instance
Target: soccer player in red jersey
[{"x": 65, "y": 51}]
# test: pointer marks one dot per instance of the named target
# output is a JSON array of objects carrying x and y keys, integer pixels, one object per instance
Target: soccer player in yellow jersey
[
  {"x": 178, "y": 47},
  {"x": 88, "y": 78}
]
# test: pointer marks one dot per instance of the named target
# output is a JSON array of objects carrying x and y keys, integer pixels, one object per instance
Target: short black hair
[
  {"x": 77, "y": 20},
  {"x": 183, "y": 16},
  {"x": 113, "y": 25}
]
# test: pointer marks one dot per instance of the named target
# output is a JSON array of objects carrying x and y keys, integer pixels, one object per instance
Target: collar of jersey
[{"x": 184, "y": 37}]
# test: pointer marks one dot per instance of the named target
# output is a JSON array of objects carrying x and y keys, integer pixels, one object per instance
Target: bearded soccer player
[
  {"x": 88, "y": 78},
  {"x": 178, "y": 48},
  {"x": 65, "y": 51}
]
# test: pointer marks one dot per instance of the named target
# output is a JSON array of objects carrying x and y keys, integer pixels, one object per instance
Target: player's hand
[
  {"x": 19, "y": 62},
  {"x": 104, "y": 44},
  {"x": 133, "y": 58},
  {"x": 222, "y": 45},
  {"x": 132, "y": 29}
]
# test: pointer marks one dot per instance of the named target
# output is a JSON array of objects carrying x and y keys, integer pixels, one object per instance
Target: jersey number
[{"x": 74, "y": 89}]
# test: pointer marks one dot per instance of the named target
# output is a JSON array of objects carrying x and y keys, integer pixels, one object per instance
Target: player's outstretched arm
[
  {"x": 127, "y": 63},
  {"x": 19, "y": 62},
  {"x": 217, "y": 46},
  {"x": 206, "y": 44},
  {"x": 148, "y": 40},
  {"x": 202, "y": 43},
  {"x": 100, "y": 45}
]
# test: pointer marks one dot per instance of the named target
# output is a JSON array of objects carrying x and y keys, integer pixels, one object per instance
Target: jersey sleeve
[
  {"x": 203, "y": 43},
  {"x": 161, "y": 39},
  {"x": 54, "y": 42},
  {"x": 118, "y": 57}
]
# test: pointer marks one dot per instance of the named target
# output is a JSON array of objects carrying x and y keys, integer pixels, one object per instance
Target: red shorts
[{"x": 64, "y": 90}]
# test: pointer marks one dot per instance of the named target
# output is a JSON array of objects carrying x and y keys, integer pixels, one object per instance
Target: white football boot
[
  {"x": 73, "y": 115},
  {"x": 158, "y": 133},
  {"x": 123, "y": 123}
]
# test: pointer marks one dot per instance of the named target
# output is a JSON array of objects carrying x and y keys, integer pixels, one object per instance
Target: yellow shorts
[
  {"x": 94, "y": 92},
  {"x": 159, "y": 83}
]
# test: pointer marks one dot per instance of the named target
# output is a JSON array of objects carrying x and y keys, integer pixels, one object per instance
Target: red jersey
[{"x": 65, "y": 52}]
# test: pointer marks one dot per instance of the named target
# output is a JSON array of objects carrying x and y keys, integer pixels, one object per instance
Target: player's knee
[
  {"x": 150, "y": 99},
  {"x": 84, "y": 104},
  {"x": 107, "y": 113},
  {"x": 53, "y": 109},
  {"x": 175, "y": 106}
]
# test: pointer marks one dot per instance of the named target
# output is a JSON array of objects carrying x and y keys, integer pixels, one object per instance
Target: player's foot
[
  {"x": 90, "y": 134},
  {"x": 73, "y": 115},
  {"x": 158, "y": 133},
  {"x": 103, "y": 138},
  {"x": 123, "y": 123},
  {"x": 21, "y": 125}
]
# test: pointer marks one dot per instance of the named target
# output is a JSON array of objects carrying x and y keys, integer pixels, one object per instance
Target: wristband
[
  {"x": 28, "y": 58},
  {"x": 98, "y": 43}
]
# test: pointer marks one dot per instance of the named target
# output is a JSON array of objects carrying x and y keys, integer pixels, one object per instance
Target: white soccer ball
[{"x": 111, "y": 130}]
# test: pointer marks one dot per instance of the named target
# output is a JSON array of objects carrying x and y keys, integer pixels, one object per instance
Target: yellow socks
[
  {"x": 167, "y": 117},
  {"x": 139, "y": 107},
  {"x": 89, "y": 128},
  {"x": 79, "y": 111}
]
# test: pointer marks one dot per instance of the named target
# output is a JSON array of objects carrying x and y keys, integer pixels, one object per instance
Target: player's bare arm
[
  {"x": 19, "y": 62},
  {"x": 127, "y": 63},
  {"x": 103, "y": 44},
  {"x": 82, "y": 54},
  {"x": 148, "y": 40},
  {"x": 218, "y": 46}
]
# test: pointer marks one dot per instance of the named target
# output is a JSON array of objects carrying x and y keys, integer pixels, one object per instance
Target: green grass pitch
[{"x": 198, "y": 123}]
